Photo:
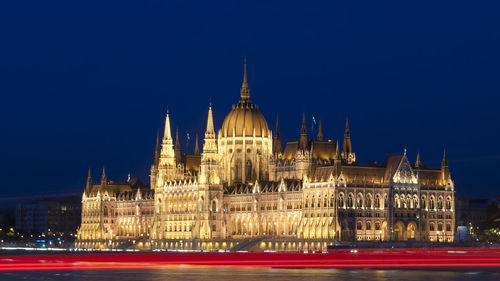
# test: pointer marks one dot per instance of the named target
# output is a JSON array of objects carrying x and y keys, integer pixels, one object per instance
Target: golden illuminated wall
[{"x": 244, "y": 158}]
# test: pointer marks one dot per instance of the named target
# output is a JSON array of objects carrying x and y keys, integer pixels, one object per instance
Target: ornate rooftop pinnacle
[
  {"x": 177, "y": 145},
  {"x": 337, "y": 152},
  {"x": 103, "y": 178},
  {"x": 245, "y": 92},
  {"x": 196, "y": 147},
  {"x": 303, "y": 133},
  {"x": 303, "y": 130},
  {"x": 417, "y": 162},
  {"x": 168, "y": 134},
  {"x": 157, "y": 149},
  {"x": 320, "y": 131},
  {"x": 445, "y": 161},
  {"x": 346, "y": 125},
  {"x": 277, "y": 139},
  {"x": 210, "y": 123}
]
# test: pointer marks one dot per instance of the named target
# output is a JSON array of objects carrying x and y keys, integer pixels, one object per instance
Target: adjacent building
[{"x": 49, "y": 215}]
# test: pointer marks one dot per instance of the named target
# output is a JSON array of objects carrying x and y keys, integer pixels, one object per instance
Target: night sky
[{"x": 86, "y": 84}]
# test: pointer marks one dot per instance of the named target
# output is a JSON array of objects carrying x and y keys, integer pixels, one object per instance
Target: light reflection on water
[{"x": 244, "y": 274}]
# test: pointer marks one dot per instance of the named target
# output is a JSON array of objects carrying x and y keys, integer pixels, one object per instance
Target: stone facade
[{"x": 244, "y": 192}]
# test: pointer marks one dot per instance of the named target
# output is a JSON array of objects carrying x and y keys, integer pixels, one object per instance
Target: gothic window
[
  {"x": 448, "y": 203},
  {"x": 448, "y": 227},
  {"x": 431, "y": 226},
  {"x": 368, "y": 225},
  {"x": 377, "y": 201},
  {"x": 359, "y": 202},
  {"x": 341, "y": 200},
  {"x": 368, "y": 201},
  {"x": 440, "y": 227},
  {"x": 424, "y": 205},
  {"x": 440, "y": 203},
  {"x": 377, "y": 225},
  {"x": 415, "y": 201},
  {"x": 350, "y": 201},
  {"x": 359, "y": 225},
  {"x": 431, "y": 203}
]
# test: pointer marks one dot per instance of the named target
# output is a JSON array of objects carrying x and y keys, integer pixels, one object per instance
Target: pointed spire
[
  {"x": 303, "y": 129},
  {"x": 210, "y": 123},
  {"x": 337, "y": 152},
  {"x": 445, "y": 171},
  {"x": 177, "y": 147},
  {"x": 157, "y": 149},
  {"x": 277, "y": 125},
  {"x": 89, "y": 180},
  {"x": 196, "y": 147},
  {"x": 103, "y": 178},
  {"x": 303, "y": 133},
  {"x": 417, "y": 162},
  {"x": 245, "y": 92},
  {"x": 444, "y": 163},
  {"x": 347, "y": 147},
  {"x": 320, "y": 131},
  {"x": 277, "y": 139},
  {"x": 347, "y": 124},
  {"x": 168, "y": 134}
]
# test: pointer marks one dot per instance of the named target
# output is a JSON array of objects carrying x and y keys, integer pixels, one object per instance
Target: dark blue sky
[{"x": 86, "y": 84}]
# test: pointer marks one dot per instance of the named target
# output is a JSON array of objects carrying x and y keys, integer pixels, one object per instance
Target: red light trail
[{"x": 362, "y": 258}]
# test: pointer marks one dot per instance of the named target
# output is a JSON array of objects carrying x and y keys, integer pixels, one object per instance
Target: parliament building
[{"x": 243, "y": 191}]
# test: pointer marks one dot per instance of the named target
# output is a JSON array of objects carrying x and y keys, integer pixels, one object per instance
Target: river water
[{"x": 260, "y": 274}]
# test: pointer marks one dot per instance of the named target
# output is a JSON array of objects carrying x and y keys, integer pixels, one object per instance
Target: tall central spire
[{"x": 245, "y": 92}]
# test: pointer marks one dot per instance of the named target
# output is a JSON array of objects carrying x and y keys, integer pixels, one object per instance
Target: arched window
[
  {"x": 350, "y": 202},
  {"x": 359, "y": 225},
  {"x": 359, "y": 201},
  {"x": 368, "y": 225},
  {"x": 341, "y": 200},
  {"x": 214, "y": 206},
  {"x": 368, "y": 201},
  {"x": 424, "y": 204},
  {"x": 431, "y": 203},
  {"x": 377, "y": 201},
  {"x": 440, "y": 203},
  {"x": 448, "y": 203}
]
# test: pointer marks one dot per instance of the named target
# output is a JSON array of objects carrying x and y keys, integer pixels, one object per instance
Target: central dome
[{"x": 245, "y": 116}]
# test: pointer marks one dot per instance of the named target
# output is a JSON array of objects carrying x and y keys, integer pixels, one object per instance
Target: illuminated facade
[{"x": 243, "y": 191}]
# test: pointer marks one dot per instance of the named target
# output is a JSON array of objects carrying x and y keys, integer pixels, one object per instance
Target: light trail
[{"x": 363, "y": 258}]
